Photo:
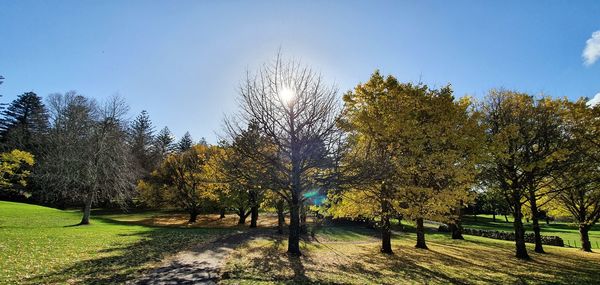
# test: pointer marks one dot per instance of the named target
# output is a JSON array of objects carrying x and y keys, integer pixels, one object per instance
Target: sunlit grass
[
  {"x": 568, "y": 232},
  {"x": 38, "y": 244}
]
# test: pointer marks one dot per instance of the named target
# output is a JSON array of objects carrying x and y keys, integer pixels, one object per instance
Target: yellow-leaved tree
[
  {"x": 186, "y": 179},
  {"x": 14, "y": 168},
  {"x": 526, "y": 148},
  {"x": 411, "y": 150},
  {"x": 577, "y": 187},
  {"x": 368, "y": 176},
  {"x": 245, "y": 177},
  {"x": 438, "y": 142}
]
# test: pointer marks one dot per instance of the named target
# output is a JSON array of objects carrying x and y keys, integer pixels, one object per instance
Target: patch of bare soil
[{"x": 201, "y": 264}]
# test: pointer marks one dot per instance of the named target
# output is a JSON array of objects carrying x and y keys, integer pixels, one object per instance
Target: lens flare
[{"x": 287, "y": 95}]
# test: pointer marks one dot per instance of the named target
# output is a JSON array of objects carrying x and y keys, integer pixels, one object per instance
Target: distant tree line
[{"x": 86, "y": 153}]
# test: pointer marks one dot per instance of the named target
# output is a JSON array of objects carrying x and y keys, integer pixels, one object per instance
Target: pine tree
[
  {"x": 142, "y": 140},
  {"x": 185, "y": 142},
  {"x": 2, "y": 81},
  {"x": 164, "y": 143},
  {"x": 25, "y": 122}
]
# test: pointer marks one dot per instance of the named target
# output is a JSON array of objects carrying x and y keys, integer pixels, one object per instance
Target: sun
[{"x": 287, "y": 95}]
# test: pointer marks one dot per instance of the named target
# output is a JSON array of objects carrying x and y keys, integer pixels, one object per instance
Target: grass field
[
  {"x": 40, "y": 245},
  {"x": 568, "y": 232},
  {"x": 349, "y": 255}
]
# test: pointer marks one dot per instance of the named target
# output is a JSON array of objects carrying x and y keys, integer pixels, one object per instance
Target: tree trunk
[
  {"x": 294, "y": 235},
  {"x": 193, "y": 216},
  {"x": 456, "y": 231},
  {"x": 420, "y": 234},
  {"x": 386, "y": 229},
  {"x": 280, "y": 216},
  {"x": 242, "y": 216},
  {"x": 386, "y": 237},
  {"x": 494, "y": 217},
  {"x": 296, "y": 186},
  {"x": 303, "y": 225},
  {"x": 506, "y": 217},
  {"x": 521, "y": 250},
  {"x": 535, "y": 223},
  {"x": 253, "y": 216},
  {"x": 222, "y": 213},
  {"x": 87, "y": 209},
  {"x": 254, "y": 204},
  {"x": 456, "y": 226},
  {"x": 586, "y": 245}
]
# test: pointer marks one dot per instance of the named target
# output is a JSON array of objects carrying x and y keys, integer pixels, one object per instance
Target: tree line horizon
[{"x": 388, "y": 150}]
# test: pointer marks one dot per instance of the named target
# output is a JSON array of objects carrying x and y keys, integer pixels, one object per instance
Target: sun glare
[{"x": 286, "y": 94}]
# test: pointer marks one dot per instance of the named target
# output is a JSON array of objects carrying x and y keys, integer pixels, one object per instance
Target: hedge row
[{"x": 529, "y": 237}]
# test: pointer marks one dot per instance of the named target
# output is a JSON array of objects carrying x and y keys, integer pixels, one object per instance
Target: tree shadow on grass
[
  {"x": 125, "y": 261},
  {"x": 341, "y": 258},
  {"x": 298, "y": 268},
  {"x": 268, "y": 262},
  {"x": 398, "y": 267},
  {"x": 462, "y": 264}
]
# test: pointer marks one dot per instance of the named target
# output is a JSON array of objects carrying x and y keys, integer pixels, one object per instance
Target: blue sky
[{"x": 183, "y": 60}]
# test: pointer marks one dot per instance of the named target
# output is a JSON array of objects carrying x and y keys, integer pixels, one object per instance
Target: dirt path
[{"x": 199, "y": 265}]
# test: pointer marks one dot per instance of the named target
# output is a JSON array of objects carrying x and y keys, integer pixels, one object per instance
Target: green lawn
[
  {"x": 568, "y": 232},
  {"x": 39, "y": 244}
]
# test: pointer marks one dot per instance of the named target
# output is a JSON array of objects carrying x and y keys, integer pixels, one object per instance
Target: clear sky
[{"x": 182, "y": 61}]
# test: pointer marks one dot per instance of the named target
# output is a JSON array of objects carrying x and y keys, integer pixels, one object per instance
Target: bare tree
[
  {"x": 296, "y": 112},
  {"x": 86, "y": 158}
]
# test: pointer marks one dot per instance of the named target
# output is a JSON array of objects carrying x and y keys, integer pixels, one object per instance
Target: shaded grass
[
  {"x": 472, "y": 261},
  {"x": 39, "y": 245}
]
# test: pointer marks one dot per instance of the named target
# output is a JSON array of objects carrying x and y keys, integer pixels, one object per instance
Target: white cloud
[
  {"x": 594, "y": 101},
  {"x": 591, "y": 52}
]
